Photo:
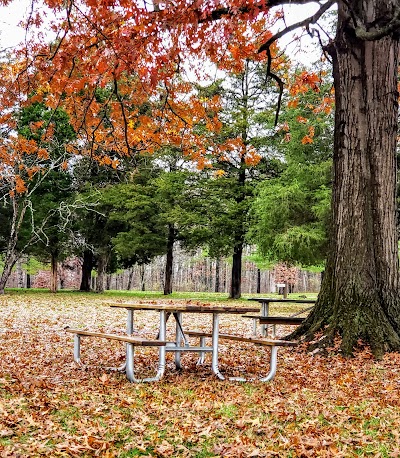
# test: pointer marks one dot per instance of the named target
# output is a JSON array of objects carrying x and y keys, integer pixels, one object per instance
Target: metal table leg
[
  {"x": 272, "y": 369},
  {"x": 130, "y": 351},
  {"x": 178, "y": 338},
  {"x": 264, "y": 312},
  {"x": 202, "y": 356},
  {"x": 129, "y": 330},
  {"x": 273, "y": 364},
  {"x": 77, "y": 349},
  {"x": 130, "y": 322},
  {"x": 215, "y": 334}
]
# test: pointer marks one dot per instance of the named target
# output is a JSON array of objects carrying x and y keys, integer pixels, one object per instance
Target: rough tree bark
[
  {"x": 235, "y": 291},
  {"x": 359, "y": 296}
]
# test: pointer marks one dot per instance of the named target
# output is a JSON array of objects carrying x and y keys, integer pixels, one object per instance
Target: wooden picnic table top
[
  {"x": 279, "y": 299},
  {"x": 187, "y": 308}
]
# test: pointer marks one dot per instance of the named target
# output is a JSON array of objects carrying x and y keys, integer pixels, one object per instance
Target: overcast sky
[{"x": 11, "y": 35}]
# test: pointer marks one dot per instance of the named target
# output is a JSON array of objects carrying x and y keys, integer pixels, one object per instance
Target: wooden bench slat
[
  {"x": 268, "y": 342},
  {"x": 276, "y": 319},
  {"x": 139, "y": 341}
]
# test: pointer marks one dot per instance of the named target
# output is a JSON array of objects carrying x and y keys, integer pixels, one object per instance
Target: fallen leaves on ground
[{"x": 323, "y": 406}]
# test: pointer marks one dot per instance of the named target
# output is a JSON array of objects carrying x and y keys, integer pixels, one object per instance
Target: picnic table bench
[
  {"x": 286, "y": 320},
  {"x": 131, "y": 342},
  {"x": 274, "y": 344}
]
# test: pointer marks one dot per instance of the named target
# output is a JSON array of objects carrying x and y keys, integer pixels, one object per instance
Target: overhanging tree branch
[
  {"x": 305, "y": 23},
  {"x": 371, "y": 35},
  {"x": 219, "y": 13},
  {"x": 267, "y": 46}
]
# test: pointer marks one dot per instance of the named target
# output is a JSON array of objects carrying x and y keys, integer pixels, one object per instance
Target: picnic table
[
  {"x": 180, "y": 342},
  {"x": 265, "y": 319}
]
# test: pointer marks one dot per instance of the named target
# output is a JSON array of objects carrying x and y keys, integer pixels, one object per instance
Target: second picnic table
[{"x": 264, "y": 319}]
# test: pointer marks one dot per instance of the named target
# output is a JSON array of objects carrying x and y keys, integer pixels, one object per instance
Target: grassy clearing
[
  {"x": 149, "y": 295},
  {"x": 316, "y": 406}
]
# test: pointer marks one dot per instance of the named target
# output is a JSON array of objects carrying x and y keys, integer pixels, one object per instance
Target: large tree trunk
[
  {"x": 359, "y": 293},
  {"x": 169, "y": 261},
  {"x": 87, "y": 267}
]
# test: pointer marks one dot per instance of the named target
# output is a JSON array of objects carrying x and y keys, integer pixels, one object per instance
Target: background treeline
[{"x": 191, "y": 272}]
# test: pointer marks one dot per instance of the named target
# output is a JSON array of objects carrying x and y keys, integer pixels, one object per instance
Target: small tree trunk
[
  {"x": 5, "y": 275},
  {"x": 142, "y": 272},
  {"x": 101, "y": 273},
  {"x": 258, "y": 281},
  {"x": 20, "y": 274},
  {"x": 130, "y": 279},
  {"x": 169, "y": 260},
  {"x": 285, "y": 290},
  {"x": 217, "y": 274},
  {"x": 87, "y": 267},
  {"x": 236, "y": 277},
  {"x": 54, "y": 273}
]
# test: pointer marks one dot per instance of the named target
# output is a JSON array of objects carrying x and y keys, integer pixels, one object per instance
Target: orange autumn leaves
[
  {"x": 124, "y": 75},
  {"x": 303, "y": 83}
]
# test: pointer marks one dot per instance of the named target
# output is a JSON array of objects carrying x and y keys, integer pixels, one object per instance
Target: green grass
[
  {"x": 228, "y": 411},
  {"x": 149, "y": 295}
]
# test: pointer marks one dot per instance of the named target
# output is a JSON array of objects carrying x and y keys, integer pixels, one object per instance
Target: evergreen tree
[{"x": 291, "y": 211}]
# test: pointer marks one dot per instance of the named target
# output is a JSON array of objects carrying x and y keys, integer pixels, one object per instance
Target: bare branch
[
  {"x": 263, "y": 6},
  {"x": 305, "y": 23},
  {"x": 280, "y": 84}
]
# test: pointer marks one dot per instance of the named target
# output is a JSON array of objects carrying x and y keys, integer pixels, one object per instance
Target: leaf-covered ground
[{"x": 316, "y": 406}]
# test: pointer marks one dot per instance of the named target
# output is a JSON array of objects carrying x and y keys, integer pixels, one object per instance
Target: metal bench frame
[
  {"x": 130, "y": 341},
  {"x": 274, "y": 344}
]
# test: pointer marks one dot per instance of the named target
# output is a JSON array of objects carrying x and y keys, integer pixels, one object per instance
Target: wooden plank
[
  {"x": 187, "y": 308},
  {"x": 268, "y": 342},
  {"x": 288, "y": 320},
  {"x": 277, "y": 299},
  {"x": 139, "y": 341}
]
